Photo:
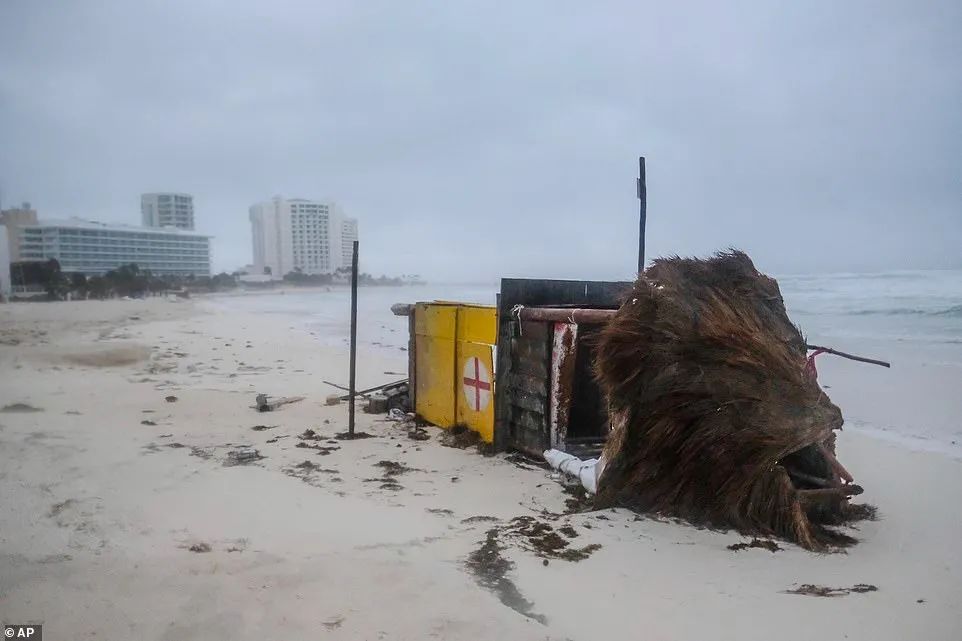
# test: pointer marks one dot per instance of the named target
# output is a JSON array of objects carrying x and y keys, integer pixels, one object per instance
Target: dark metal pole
[
  {"x": 350, "y": 400},
  {"x": 643, "y": 197}
]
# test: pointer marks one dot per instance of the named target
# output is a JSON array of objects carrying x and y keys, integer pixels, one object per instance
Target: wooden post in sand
[
  {"x": 351, "y": 384},
  {"x": 642, "y": 214}
]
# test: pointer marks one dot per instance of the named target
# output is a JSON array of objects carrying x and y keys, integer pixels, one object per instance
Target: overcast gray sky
[{"x": 475, "y": 142}]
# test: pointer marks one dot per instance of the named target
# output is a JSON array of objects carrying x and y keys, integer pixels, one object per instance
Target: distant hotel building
[
  {"x": 312, "y": 236},
  {"x": 167, "y": 210},
  {"x": 95, "y": 248},
  {"x": 13, "y": 220},
  {"x": 348, "y": 236}
]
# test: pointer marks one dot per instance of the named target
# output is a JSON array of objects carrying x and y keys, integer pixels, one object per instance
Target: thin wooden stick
[
  {"x": 861, "y": 359},
  {"x": 368, "y": 390},
  {"x": 351, "y": 385}
]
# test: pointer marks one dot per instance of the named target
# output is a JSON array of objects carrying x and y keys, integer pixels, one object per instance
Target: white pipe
[{"x": 587, "y": 472}]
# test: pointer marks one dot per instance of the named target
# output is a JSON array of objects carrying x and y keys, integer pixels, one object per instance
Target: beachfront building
[
  {"x": 296, "y": 234},
  {"x": 167, "y": 209},
  {"x": 92, "y": 248},
  {"x": 348, "y": 236},
  {"x": 13, "y": 220}
]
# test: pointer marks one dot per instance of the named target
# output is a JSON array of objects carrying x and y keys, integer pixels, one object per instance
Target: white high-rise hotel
[
  {"x": 167, "y": 210},
  {"x": 312, "y": 236}
]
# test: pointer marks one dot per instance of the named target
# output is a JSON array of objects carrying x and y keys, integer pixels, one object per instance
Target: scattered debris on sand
[
  {"x": 771, "y": 546},
  {"x": 333, "y": 624},
  {"x": 200, "y": 548},
  {"x": 243, "y": 456},
  {"x": 540, "y": 538},
  {"x": 578, "y": 499},
  {"x": 481, "y": 518},
  {"x": 418, "y": 434},
  {"x": 439, "y": 510},
  {"x": 525, "y": 462},
  {"x": 311, "y": 435},
  {"x": 57, "y": 508},
  {"x": 205, "y": 453},
  {"x": 170, "y": 399},
  {"x": 261, "y": 428},
  {"x": 490, "y": 570},
  {"x": 307, "y": 472},
  {"x": 20, "y": 408},
  {"x": 460, "y": 437},
  {"x": 313, "y": 467},
  {"x": 147, "y": 421},
  {"x": 322, "y": 450},
  {"x": 394, "y": 468},
  {"x": 347, "y": 436},
  {"x": 490, "y": 567},
  {"x": 807, "y": 589},
  {"x": 263, "y": 403}
]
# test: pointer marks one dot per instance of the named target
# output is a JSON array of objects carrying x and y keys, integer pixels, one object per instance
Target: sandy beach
[{"x": 122, "y": 518}]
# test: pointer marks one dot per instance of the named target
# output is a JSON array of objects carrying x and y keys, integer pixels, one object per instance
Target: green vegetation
[
  {"x": 131, "y": 280},
  {"x": 126, "y": 280},
  {"x": 341, "y": 276}
]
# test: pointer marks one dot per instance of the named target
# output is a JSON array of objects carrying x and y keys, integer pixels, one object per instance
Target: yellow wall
[{"x": 454, "y": 357}]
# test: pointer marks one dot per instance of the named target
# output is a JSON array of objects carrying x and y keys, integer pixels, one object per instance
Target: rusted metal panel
[
  {"x": 523, "y": 411},
  {"x": 525, "y": 348},
  {"x": 530, "y": 435},
  {"x": 563, "y": 357},
  {"x": 535, "y": 384},
  {"x": 534, "y": 331},
  {"x": 531, "y": 367},
  {"x": 529, "y": 401},
  {"x": 555, "y": 293},
  {"x": 566, "y": 314}
]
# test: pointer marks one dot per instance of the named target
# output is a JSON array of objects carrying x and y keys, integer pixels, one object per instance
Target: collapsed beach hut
[
  {"x": 546, "y": 396},
  {"x": 692, "y": 383},
  {"x": 717, "y": 416},
  {"x": 693, "y": 380}
]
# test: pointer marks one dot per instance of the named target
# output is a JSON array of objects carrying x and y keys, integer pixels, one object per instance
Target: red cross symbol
[{"x": 477, "y": 388}]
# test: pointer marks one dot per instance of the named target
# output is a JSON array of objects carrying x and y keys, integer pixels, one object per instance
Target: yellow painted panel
[
  {"x": 478, "y": 324},
  {"x": 434, "y": 360},
  {"x": 475, "y": 388},
  {"x": 432, "y": 319},
  {"x": 455, "y": 378}
]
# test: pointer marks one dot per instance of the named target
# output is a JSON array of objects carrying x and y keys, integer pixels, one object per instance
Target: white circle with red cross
[{"x": 477, "y": 384}]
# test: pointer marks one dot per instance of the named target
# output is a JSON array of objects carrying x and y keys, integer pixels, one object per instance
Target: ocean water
[
  {"x": 915, "y": 306},
  {"x": 911, "y": 318}
]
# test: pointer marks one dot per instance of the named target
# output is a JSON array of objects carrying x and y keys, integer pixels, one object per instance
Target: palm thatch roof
[{"x": 714, "y": 416}]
